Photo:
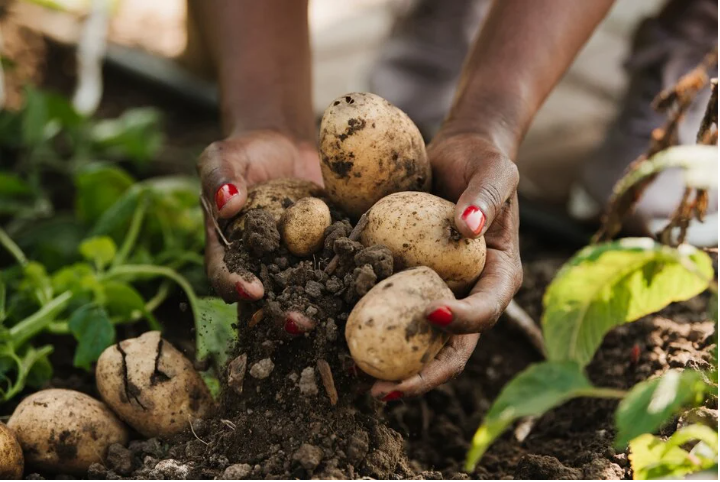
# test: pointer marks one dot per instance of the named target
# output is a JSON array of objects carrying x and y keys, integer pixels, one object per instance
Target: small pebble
[{"x": 262, "y": 369}]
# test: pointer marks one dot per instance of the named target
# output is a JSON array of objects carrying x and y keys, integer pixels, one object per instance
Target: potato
[
  {"x": 387, "y": 333},
  {"x": 273, "y": 196},
  {"x": 369, "y": 149},
  {"x": 419, "y": 229},
  {"x": 12, "y": 462},
  {"x": 303, "y": 225},
  {"x": 64, "y": 431},
  {"x": 152, "y": 386}
]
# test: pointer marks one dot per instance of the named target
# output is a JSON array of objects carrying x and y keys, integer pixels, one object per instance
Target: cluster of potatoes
[
  {"x": 145, "y": 384},
  {"x": 374, "y": 164}
]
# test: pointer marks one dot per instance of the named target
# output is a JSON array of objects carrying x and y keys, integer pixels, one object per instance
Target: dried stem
[
  {"x": 522, "y": 322},
  {"x": 209, "y": 213},
  {"x": 675, "y": 102},
  {"x": 328, "y": 381}
]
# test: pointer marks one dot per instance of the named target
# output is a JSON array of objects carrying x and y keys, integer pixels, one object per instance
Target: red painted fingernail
[
  {"x": 241, "y": 291},
  {"x": 291, "y": 327},
  {"x": 224, "y": 194},
  {"x": 474, "y": 218},
  {"x": 394, "y": 395},
  {"x": 635, "y": 354},
  {"x": 441, "y": 316}
]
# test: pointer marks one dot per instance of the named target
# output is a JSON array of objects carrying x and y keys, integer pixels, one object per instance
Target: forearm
[
  {"x": 522, "y": 51},
  {"x": 262, "y": 53}
]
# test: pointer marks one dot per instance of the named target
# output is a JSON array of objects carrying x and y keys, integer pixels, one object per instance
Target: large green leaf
[
  {"x": 651, "y": 403},
  {"x": 93, "y": 331},
  {"x": 216, "y": 330},
  {"x": 533, "y": 392},
  {"x": 651, "y": 458},
  {"x": 122, "y": 300},
  {"x": 614, "y": 283},
  {"x": 99, "y": 186}
]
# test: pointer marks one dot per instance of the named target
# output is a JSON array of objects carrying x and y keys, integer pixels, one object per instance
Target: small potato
[
  {"x": 64, "y": 431},
  {"x": 419, "y": 229},
  {"x": 152, "y": 386},
  {"x": 12, "y": 462},
  {"x": 303, "y": 225},
  {"x": 273, "y": 196},
  {"x": 387, "y": 333},
  {"x": 369, "y": 148}
]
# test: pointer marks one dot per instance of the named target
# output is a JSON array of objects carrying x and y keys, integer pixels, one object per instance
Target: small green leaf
[
  {"x": 533, "y": 392},
  {"x": 216, "y": 330},
  {"x": 651, "y": 403},
  {"x": 12, "y": 185},
  {"x": 212, "y": 382},
  {"x": 99, "y": 186},
  {"x": 651, "y": 458},
  {"x": 135, "y": 135},
  {"x": 99, "y": 250},
  {"x": 93, "y": 331},
  {"x": 614, "y": 283},
  {"x": 36, "y": 281},
  {"x": 34, "y": 118},
  {"x": 122, "y": 301},
  {"x": 40, "y": 373}
]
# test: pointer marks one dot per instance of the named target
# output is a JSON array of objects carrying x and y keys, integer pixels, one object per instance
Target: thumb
[
  {"x": 492, "y": 183},
  {"x": 222, "y": 186}
]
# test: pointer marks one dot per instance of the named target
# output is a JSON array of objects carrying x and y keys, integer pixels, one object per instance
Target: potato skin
[
  {"x": 163, "y": 393},
  {"x": 369, "y": 148},
  {"x": 12, "y": 462},
  {"x": 419, "y": 229},
  {"x": 65, "y": 431},
  {"x": 387, "y": 333},
  {"x": 303, "y": 225},
  {"x": 273, "y": 196}
]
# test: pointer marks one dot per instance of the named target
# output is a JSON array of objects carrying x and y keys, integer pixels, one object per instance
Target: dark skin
[{"x": 263, "y": 55}]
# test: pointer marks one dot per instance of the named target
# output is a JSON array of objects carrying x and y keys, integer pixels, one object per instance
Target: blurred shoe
[
  {"x": 420, "y": 63},
  {"x": 663, "y": 51}
]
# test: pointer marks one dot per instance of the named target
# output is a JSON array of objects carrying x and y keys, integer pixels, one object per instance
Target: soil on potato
[{"x": 274, "y": 430}]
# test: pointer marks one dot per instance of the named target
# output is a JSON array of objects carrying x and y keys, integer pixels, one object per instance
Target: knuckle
[
  {"x": 492, "y": 196},
  {"x": 211, "y": 152},
  {"x": 513, "y": 174}
]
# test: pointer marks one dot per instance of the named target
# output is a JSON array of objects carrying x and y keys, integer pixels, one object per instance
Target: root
[{"x": 522, "y": 322}]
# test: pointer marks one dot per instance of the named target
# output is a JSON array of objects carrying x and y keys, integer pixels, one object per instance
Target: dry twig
[
  {"x": 328, "y": 381},
  {"x": 522, "y": 322}
]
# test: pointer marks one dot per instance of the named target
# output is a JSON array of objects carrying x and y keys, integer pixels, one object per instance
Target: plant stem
[
  {"x": 133, "y": 231},
  {"x": 60, "y": 327},
  {"x": 598, "y": 392},
  {"x": 12, "y": 248},
  {"x": 38, "y": 321},
  {"x": 147, "y": 269}
]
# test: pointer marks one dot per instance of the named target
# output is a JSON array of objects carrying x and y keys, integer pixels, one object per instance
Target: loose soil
[{"x": 284, "y": 425}]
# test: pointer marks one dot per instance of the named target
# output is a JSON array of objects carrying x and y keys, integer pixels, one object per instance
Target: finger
[
  {"x": 297, "y": 323},
  {"x": 448, "y": 364},
  {"x": 492, "y": 184},
  {"x": 222, "y": 186},
  {"x": 229, "y": 286}
]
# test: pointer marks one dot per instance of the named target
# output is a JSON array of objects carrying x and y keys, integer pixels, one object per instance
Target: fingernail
[
  {"x": 474, "y": 218},
  {"x": 241, "y": 291},
  {"x": 441, "y": 316},
  {"x": 291, "y": 327},
  {"x": 394, "y": 395},
  {"x": 224, "y": 194}
]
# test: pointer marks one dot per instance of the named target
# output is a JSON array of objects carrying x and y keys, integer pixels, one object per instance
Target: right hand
[{"x": 227, "y": 168}]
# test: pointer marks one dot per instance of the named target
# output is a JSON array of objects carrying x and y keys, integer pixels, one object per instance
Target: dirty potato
[
  {"x": 303, "y": 226},
  {"x": 273, "y": 196},
  {"x": 369, "y": 148},
  {"x": 387, "y": 333},
  {"x": 151, "y": 385},
  {"x": 12, "y": 462},
  {"x": 64, "y": 431},
  {"x": 419, "y": 229}
]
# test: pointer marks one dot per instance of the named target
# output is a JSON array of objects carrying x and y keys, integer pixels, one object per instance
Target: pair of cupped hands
[{"x": 468, "y": 169}]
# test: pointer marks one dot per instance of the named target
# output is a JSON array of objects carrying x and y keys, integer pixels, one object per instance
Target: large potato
[
  {"x": 273, "y": 196},
  {"x": 65, "y": 431},
  {"x": 12, "y": 462},
  {"x": 369, "y": 148},
  {"x": 419, "y": 229},
  {"x": 303, "y": 226},
  {"x": 387, "y": 333},
  {"x": 152, "y": 386}
]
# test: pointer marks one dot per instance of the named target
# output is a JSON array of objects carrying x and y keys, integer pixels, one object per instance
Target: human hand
[{"x": 472, "y": 171}]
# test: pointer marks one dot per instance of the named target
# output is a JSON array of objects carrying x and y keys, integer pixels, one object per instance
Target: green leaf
[
  {"x": 651, "y": 458},
  {"x": 216, "y": 330},
  {"x": 99, "y": 186},
  {"x": 651, "y": 403},
  {"x": 122, "y": 300},
  {"x": 93, "y": 331},
  {"x": 12, "y": 185},
  {"x": 12, "y": 383},
  {"x": 533, "y": 392},
  {"x": 40, "y": 373},
  {"x": 34, "y": 118},
  {"x": 100, "y": 250},
  {"x": 36, "y": 281},
  {"x": 136, "y": 135},
  {"x": 614, "y": 283}
]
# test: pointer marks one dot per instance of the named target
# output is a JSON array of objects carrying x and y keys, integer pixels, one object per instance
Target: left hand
[{"x": 473, "y": 171}]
